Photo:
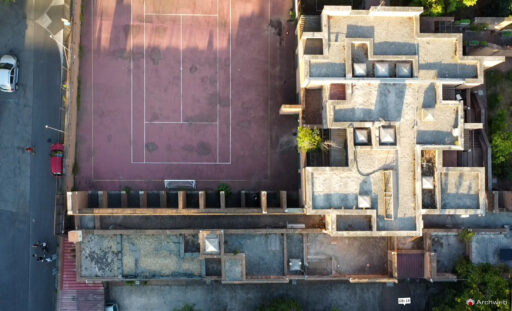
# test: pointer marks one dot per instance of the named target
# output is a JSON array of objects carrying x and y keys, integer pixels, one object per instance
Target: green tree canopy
[
  {"x": 482, "y": 282},
  {"x": 186, "y": 307},
  {"x": 308, "y": 139},
  {"x": 281, "y": 304},
  {"x": 501, "y": 146},
  {"x": 442, "y": 7}
]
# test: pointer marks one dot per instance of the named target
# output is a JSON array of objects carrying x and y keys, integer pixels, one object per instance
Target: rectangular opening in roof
[
  {"x": 314, "y": 46},
  {"x": 337, "y": 92},
  {"x": 353, "y": 223}
]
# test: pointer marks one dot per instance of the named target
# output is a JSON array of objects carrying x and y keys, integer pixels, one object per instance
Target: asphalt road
[
  {"x": 27, "y": 190},
  {"x": 312, "y": 296}
]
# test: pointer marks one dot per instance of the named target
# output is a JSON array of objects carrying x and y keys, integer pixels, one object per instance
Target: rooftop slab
[
  {"x": 460, "y": 190},
  {"x": 98, "y": 257},
  {"x": 263, "y": 252},
  {"x": 449, "y": 249},
  {"x": 141, "y": 256},
  {"x": 392, "y": 35},
  {"x": 349, "y": 255},
  {"x": 485, "y": 248},
  {"x": 147, "y": 256}
]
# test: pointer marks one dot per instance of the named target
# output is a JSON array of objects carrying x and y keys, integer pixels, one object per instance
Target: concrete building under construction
[{"x": 394, "y": 109}]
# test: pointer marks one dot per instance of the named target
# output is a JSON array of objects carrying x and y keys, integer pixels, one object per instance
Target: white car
[{"x": 9, "y": 66}]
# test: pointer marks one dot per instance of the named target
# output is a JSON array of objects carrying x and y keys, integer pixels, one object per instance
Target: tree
[
  {"x": 308, "y": 139},
  {"x": 453, "y": 5},
  {"x": 442, "y": 7},
  {"x": 186, "y": 307},
  {"x": 430, "y": 7},
  {"x": 9, "y": 1},
  {"x": 481, "y": 282},
  {"x": 501, "y": 146},
  {"x": 281, "y": 304}
]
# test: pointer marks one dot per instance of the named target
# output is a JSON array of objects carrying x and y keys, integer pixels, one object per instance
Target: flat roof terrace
[
  {"x": 440, "y": 54},
  {"x": 142, "y": 256},
  {"x": 392, "y": 35}
]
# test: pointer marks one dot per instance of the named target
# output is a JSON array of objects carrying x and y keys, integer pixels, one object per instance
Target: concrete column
[
  {"x": 103, "y": 199},
  {"x": 282, "y": 199},
  {"x": 163, "y": 199},
  {"x": 242, "y": 198},
  {"x": 143, "y": 198},
  {"x": 202, "y": 200},
  {"x": 222, "y": 198},
  {"x": 182, "y": 199},
  {"x": 263, "y": 201},
  {"x": 124, "y": 199}
]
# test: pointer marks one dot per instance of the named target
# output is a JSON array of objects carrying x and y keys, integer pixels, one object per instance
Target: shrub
[
  {"x": 127, "y": 190},
  {"x": 281, "y": 304},
  {"x": 463, "y": 22},
  {"x": 479, "y": 27},
  {"x": 293, "y": 16},
  {"x": 483, "y": 43},
  {"x": 130, "y": 283},
  {"x": 506, "y": 34},
  {"x": 466, "y": 235},
  {"x": 308, "y": 139},
  {"x": 186, "y": 307},
  {"x": 226, "y": 188},
  {"x": 474, "y": 43}
]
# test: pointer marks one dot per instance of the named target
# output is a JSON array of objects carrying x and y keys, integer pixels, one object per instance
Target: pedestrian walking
[
  {"x": 42, "y": 245},
  {"x": 39, "y": 244},
  {"x": 48, "y": 259},
  {"x": 30, "y": 150},
  {"x": 38, "y": 258}
]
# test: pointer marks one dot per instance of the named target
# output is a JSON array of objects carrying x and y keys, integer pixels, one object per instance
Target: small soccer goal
[{"x": 180, "y": 184}]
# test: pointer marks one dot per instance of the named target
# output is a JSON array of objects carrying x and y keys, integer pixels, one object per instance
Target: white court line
[
  {"x": 181, "y": 86},
  {"x": 218, "y": 87},
  {"x": 182, "y": 122},
  {"x": 92, "y": 90},
  {"x": 181, "y": 68},
  {"x": 185, "y": 163},
  {"x": 181, "y": 14},
  {"x": 230, "y": 38},
  {"x": 131, "y": 81},
  {"x": 161, "y": 180},
  {"x": 269, "y": 92},
  {"x": 144, "y": 145}
]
